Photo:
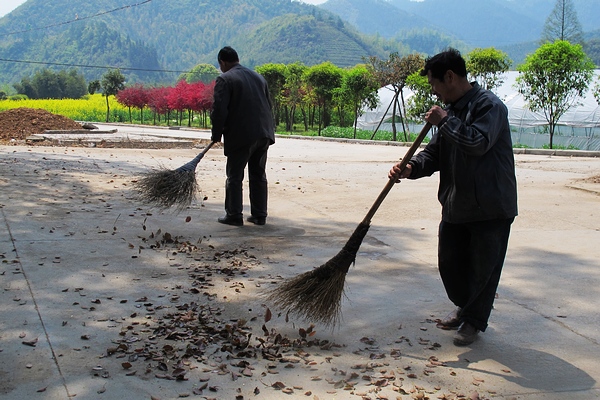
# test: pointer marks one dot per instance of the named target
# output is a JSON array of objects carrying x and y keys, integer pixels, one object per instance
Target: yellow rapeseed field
[{"x": 91, "y": 108}]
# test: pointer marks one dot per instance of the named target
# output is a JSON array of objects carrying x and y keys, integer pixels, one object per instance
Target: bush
[
  {"x": 559, "y": 147},
  {"x": 348, "y": 133}
]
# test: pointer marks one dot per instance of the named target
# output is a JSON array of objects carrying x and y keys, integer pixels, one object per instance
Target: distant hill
[
  {"x": 376, "y": 16},
  {"x": 172, "y": 36},
  {"x": 312, "y": 40},
  {"x": 478, "y": 23},
  {"x": 513, "y": 26}
]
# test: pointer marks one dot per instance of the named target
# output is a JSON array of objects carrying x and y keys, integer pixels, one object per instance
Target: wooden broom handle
[
  {"x": 191, "y": 166},
  {"x": 411, "y": 151}
]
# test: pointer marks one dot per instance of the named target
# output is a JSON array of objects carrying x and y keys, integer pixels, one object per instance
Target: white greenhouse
[{"x": 578, "y": 128}]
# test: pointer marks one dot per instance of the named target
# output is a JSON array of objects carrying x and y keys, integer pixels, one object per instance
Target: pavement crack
[
  {"x": 35, "y": 304},
  {"x": 556, "y": 321}
]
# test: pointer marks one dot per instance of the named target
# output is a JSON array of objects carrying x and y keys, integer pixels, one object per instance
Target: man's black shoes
[
  {"x": 452, "y": 320},
  {"x": 257, "y": 220},
  {"x": 239, "y": 221},
  {"x": 465, "y": 335},
  {"x": 229, "y": 220}
]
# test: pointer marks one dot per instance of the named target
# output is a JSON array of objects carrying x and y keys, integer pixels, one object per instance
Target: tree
[
  {"x": 393, "y": 72},
  {"x": 177, "y": 99},
  {"x": 592, "y": 49},
  {"x": 201, "y": 73},
  {"x": 563, "y": 24},
  {"x": 293, "y": 95},
  {"x": 134, "y": 96},
  {"x": 422, "y": 99},
  {"x": 341, "y": 101},
  {"x": 597, "y": 90},
  {"x": 74, "y": 86},
  {"x": 158, "y": 102},
  {"x": 94, "y": 86},
  {"x": 323, "y": 79},
  {"x": 553, "y": 78},
  {"x": 26, "y": 87},
  {"x": 486, "y": 66},
  {"x": 274, "y": 74},
  {"x": 48, "y": 84},
  {"x": 201, "y": 99},
  {"x": 360, "y": 87},
  {"x": 112, "y": 82}
]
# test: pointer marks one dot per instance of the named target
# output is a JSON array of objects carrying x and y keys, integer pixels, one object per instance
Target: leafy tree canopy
[
  {"x": 553, "y": 78},
  {"x": 200, "y": 73},
  {"x": 48, "y": 84},
  {"x": 111, "y": 83},
  {"x": 487, "y": 66}
]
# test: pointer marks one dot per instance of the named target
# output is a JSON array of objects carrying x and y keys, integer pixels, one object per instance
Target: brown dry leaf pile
[
  {"x": 592, "y": 179},
  {"x": 192, "y": 338},
  {"x": 19, "y": 123}
]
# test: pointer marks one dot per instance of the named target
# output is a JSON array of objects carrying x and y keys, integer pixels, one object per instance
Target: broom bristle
[
  {"x": 165, "y": 188},
  {"x": 317, "y": 295}
]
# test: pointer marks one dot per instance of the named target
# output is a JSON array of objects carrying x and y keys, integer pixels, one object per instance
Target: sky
[{"x": 7, "y": 6}]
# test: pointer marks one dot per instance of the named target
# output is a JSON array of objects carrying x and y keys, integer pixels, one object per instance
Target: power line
[
  {"x": 92, "y": 66},
  {"x": 77, "y": 18}
]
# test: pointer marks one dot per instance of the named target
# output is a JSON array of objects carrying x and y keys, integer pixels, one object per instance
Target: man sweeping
[
  {"x": 242, "y": 115},
  {"x": 472, "y": 150}
]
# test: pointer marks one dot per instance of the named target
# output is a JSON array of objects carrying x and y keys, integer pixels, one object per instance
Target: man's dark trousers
[
  {"x": 471, "y": 256},
  {"x": 255, "y": 156}
]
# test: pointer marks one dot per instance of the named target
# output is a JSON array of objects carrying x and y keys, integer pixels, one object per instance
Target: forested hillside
[
  {"x": 154, "y": 41},
  {"x": 427, "y": 26},
  {"x": 293, "y": 38},
  {"x": 376, "y": 16},
  {"x": 173, "y": 36}
]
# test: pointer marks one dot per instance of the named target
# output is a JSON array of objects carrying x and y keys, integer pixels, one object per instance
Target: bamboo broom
[
  {"x": 164, "y": 188},
  {"x": 317, "y": 295}
]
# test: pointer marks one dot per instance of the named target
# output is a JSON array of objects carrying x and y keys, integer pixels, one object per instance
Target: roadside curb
[{"x": 172, "y": 139}]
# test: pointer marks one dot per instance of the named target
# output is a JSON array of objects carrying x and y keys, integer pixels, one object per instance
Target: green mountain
[
  {"x": 379, "y": 17},
  {"x": 312, "y": 40},
  {"x": 172, "y": 36},
  {"x": 428, "y": 26}
]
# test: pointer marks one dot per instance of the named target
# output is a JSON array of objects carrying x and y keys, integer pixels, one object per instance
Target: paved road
[{"x": 97, "y": 304}]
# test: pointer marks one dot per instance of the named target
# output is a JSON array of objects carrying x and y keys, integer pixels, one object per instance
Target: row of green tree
[{"x": 552, "y": 79}]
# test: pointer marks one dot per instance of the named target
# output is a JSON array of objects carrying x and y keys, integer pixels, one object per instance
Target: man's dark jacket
[
  {"x": 242, "y": 112},
  {"x": 472, "y": 149}
]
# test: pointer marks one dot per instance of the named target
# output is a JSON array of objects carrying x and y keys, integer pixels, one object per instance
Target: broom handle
[
  {"x": 203, "y": 152},
  {"x": 411, "y": 151},
  {"x": 191, "y": 166}
]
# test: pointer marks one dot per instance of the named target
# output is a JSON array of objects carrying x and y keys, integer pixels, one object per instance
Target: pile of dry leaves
[
  {"x": 194, "y": 339},
  {"x": 592, "y": 179},
  {"x": 19, "y": 123}
]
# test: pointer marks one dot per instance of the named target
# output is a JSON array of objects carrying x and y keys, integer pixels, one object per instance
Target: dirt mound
[{"x": 19, "y": 123}]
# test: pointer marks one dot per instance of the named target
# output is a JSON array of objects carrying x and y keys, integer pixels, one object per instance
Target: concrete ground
[{"x": 104, "y": 298}]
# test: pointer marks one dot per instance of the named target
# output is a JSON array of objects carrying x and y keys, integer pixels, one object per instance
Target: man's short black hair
[
  {"x": 228, "y": 54},
  {"x": 448, "y": 60}
]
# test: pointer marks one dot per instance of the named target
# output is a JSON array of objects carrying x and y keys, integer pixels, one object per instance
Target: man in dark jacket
[
  {"x": 472, "y": 150},
  {"x": 242, "y": 114}
]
